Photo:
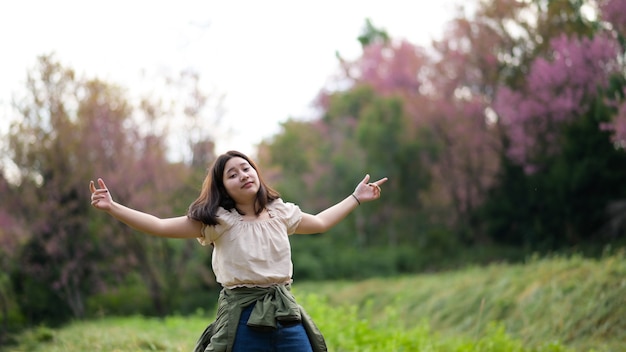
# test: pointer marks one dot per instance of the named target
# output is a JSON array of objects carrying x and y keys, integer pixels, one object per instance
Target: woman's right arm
[{"x": 178, "y": 227}]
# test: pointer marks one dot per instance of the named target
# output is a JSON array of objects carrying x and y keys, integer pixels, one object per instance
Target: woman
[{"x": 248, "y": 225}]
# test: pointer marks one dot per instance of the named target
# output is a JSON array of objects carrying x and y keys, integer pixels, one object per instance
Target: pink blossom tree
[
  {"x": 558, "y": 90},
  {"x": 613, "y": 12}
]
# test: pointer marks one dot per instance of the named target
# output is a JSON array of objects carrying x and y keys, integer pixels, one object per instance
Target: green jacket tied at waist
[{"x": 272, "y": 304}]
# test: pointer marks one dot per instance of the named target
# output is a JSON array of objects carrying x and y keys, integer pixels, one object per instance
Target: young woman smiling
[{"x": 248, "y": 225}]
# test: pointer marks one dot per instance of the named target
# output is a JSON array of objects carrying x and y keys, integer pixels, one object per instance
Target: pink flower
[{"x": 558, "y": 89}]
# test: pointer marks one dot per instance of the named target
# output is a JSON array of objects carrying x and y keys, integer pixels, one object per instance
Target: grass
[
  {"x": 556, "y": 304},
  {"x": 581, "y": 303},
  {"x": 347, "y": 328},
  {"x": 344, "y": 331},
  {"x": 113, "y": 334}
]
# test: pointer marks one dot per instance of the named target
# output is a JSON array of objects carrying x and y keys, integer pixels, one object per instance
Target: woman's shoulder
[
  {"x": 283, "y": 209},
  {"x": 225, "y": 220},
  {"x": 287, "y": 212},
  {"x": 225, "y": 216},
  {"x": 279, "y": 203}
]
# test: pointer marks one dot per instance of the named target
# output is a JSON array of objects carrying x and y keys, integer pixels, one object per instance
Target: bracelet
[{"x": 357, "y": 199}]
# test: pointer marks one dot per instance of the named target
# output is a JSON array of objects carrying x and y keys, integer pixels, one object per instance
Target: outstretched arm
[
  {"x": 322, "y": 222},
  {"x": 178, "y": 227}
]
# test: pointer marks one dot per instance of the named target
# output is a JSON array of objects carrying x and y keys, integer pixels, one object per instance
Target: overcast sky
[{"x": 269, "y": 58}]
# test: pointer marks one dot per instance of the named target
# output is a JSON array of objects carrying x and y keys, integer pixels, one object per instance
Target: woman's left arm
[{"x": 323, "y": 221}]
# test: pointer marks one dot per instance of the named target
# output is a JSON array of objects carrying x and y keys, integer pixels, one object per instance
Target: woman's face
[{"x": 240, "y": 180}]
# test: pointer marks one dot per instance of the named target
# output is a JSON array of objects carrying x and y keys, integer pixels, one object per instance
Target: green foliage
[
  {"x": 365, "y": 328},
  {"x": 372, "y": 35},
  {"x": 294, "y": 155},
  {"x": 11, "y": 316},
  {"x": 338, "y": 255},
  {"x": 565, "y": 203},
  {"x": 419, "y": 120},
  {"x": 67, "y": 252},
  {"x": 347, "y": 329},
  {"x": 319, "y": 259},
  {"x": 128, "y": 298},
  {"x": 344, "y": 328},
  {"x": 37, "y": 336},
  {"x": 578, "y": 302},
  {"x": 555, "y": 304},
  {"x": 173, "y": 333},
  {"x": 132, "y": 297},
  {"x": 361, "y": 132},
  {"x": 38, "y": 302}
]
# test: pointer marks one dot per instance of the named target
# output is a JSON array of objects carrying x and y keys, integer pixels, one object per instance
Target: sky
[{"x": 269, "y": 59}]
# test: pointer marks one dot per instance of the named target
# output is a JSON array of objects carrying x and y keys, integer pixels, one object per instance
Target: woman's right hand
[
  {"x": 100, "y": 197},
  {"x": 176, "y": 227}
]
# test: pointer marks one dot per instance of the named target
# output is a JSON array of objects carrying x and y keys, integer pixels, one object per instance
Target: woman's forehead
[{"x": 235, "y": 163}]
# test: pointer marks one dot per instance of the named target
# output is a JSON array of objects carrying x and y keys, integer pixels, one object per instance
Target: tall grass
[
  {"x": 346, "y": 328},
  {"x": 115, "y": 334},
  {"x": 557, "y": 304},
  {"x": 343, "y": 328},
  {"x": 579, "y": 302}
]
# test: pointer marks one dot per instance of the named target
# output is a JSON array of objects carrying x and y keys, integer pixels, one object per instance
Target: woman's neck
[
  {"x": 247, "y": 209},
  {"x": 251, "y": 215}
]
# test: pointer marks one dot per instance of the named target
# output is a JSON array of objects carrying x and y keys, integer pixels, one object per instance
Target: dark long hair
[{"x": 213, "y": 194}]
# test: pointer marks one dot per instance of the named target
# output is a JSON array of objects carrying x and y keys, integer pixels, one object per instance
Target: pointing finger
[{"x": 381, "y": 181}]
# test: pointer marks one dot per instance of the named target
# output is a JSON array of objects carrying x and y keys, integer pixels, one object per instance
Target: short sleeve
[
  {"x": 210, "y": 233},
  {"x": 289, "y": 213}
]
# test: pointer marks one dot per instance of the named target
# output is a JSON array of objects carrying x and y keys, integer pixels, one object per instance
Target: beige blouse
[{"x": 253, "y": 253}]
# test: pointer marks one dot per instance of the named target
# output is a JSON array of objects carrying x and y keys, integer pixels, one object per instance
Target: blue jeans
[{"x": 292, "y": 338}]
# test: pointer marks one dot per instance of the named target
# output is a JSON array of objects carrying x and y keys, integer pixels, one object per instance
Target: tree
[
  {"x": 390, "y": 149},
  {"x": 478, "y": 55},
  {"x": 11, "y": 236},
  {"x": 524, "y": 30},
  {"x": 39, "y": 146},
  {"x": 554, "y": 189},
  {"x": 612, "y": 12},
  {"x": 370, "y": 35},
  {"x": 558, "y": 90},
  {"x": 69, "y": 131},
  {"x": 445, "y": 98}
]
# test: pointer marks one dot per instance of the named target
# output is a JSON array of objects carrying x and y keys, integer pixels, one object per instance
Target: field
[{"x": 557, "y": 304}]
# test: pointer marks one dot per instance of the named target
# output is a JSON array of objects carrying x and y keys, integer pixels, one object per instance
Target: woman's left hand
[{"x": 366, "y": 191}]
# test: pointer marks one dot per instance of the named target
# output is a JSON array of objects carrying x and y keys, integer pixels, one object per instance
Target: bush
[
  {"x": 126, "y": 299},
  {"x": 38, "y": 303}
]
